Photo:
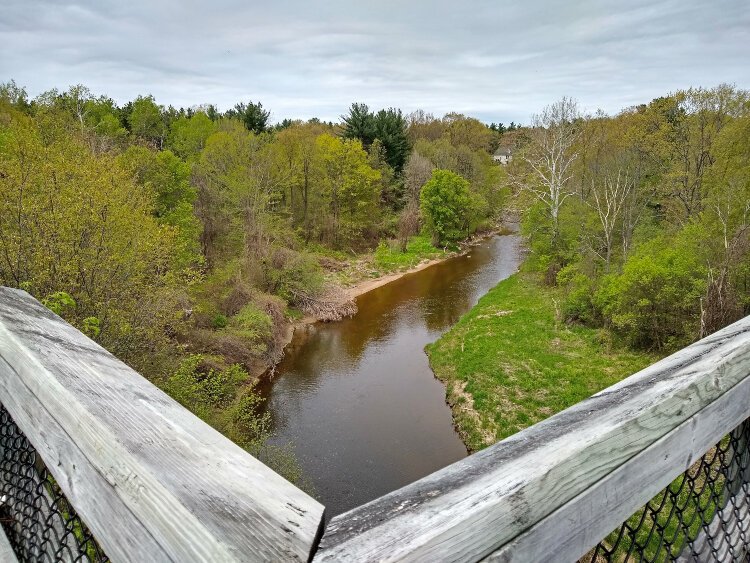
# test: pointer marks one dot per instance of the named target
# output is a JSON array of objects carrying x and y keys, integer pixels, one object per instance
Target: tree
[
  {"x": 390, "y": 130},
  {"x": 610, "y": 196},
  {"x": 468, "y": 131},
  {"x": 550, "y": 156},
  {"x": 73, "y": 221},
  {"x": 349, "y": 191},
  {"x": 146, "y": 122},
  {"x": 726, "y": 219},
  {"x": 422, "y": 125},
  {"x": 14, "y": 95},
  {"x": 696, "y": 117},
  {"x": 417, "y": 172},
  {"x": 359, "y": 124},
  {"x": 608, "y": 173},
  {"x": 188, "y": 135},
  {"x": 298, "y": 154},
  {"x": 166, "y": 179},
  {"x": 654, "y": 302},
  {"x": 388, "y": 126},
  {"x": 445, "y": 204},
  {"x": 252, "y": 115},
  {"x": 236, "y": 191}
]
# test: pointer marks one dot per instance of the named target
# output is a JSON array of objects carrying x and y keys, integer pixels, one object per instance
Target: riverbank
[
  {"x": 367, "y": 285},
  {"x": 510, "y": 362},
  {"x": 360, "y": 282}
]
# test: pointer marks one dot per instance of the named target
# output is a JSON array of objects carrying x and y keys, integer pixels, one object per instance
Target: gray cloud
[{"x": 499, "y": 61}]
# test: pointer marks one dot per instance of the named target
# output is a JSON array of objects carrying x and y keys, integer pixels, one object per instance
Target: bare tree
[
  {"x": 550, "y": 155},
  {"x": 417, "y": 172},
  {"x": 610, "y": 198}
]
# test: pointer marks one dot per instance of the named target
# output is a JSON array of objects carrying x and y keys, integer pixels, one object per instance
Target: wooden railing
[
  {"x": 154, "y": 483},
  {"x": 150, "y": 480}
]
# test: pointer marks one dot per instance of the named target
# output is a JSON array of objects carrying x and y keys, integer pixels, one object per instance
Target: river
[{"x": 357, "y": 399}]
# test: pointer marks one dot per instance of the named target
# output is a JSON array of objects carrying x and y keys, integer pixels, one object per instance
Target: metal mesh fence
[
  {"x": 39, "y": 522},
  {"x": 701, "y": 516}
]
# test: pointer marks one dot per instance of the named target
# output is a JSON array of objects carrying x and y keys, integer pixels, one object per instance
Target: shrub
[
  {"x": 219, "y": 321},
  {"x": 578, "y": 304},
  {"x": 655, "y": 301},
  {"x": 445, "y": 203},
  {"x": 253, "y": 325},
  {"x": 203, "y": 389}
]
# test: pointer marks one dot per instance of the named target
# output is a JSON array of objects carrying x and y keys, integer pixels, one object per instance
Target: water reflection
[{"x": 357, "y": 398}]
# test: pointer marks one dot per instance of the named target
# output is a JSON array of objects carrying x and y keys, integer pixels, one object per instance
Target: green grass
[
  {"x": 389, "y": 258},
  {"x": 510, "y": 363}
]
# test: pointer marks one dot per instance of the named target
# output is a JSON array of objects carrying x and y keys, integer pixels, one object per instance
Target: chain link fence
[
  {"x": 701, "y": 516},
  {"x": 39, "y": 522}
]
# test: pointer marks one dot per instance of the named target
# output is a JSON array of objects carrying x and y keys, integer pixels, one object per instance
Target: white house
[{"x": 503, "y": 155}]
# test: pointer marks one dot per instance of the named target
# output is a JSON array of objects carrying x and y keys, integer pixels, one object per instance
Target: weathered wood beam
[
  {"x": 151, "y": 480},
  {"x": 580, "y": 524},
  {"x": 473, "y": 508}
]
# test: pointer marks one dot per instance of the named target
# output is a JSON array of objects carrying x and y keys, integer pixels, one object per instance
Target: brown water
[{"x": 357, "y": 399}]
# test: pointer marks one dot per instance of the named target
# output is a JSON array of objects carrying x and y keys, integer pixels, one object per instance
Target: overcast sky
[{"x": 496, "y": 60}]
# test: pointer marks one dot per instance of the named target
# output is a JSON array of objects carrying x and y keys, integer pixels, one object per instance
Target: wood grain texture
[
  {"x": 468, "y": 510},
  {"x": 152, "y": 481},
  {"x": 573, "y": 529}
]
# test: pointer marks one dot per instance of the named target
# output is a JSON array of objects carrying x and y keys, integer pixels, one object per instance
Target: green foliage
[
  {"x": 387, "y": 126},
  {"x": 445, "y": 203},
  {"x": 349, "y": 191},
  {"x": 73, "y": 220},
  {"x": 59, "y": 302},
  {"x": 253, "y": 326},
  {"x": 579, "y": 292},
  {"x": 14, "y": 94},
  {"x": 188, "y": 135},
  {"x": 291, "y": 274},
  {"x": 246, "y": 426},
  {"x": 252, "y": 116},
  {"x": 359, "y": 124},
  {"x": 91, "y": 326},
  {"x": 219, "y": 321},
  {"x": 204, "y": 389},
  {"x": 510, "y": 362},
  {"x": 146, "y": 121},
  {"x": 389, "y": 257},
  {"x": 166, "y": 179},
  {"x": 390, "y": 130},
  {"x": 654, "y": 302}
]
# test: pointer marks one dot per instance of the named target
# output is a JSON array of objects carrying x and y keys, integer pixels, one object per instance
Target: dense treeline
[
  {"x": 184, "y": 241},
  {"x": 643, "y": 217}
]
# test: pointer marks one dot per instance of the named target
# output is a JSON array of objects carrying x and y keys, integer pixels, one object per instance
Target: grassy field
[{"x": 509, "y": 362}]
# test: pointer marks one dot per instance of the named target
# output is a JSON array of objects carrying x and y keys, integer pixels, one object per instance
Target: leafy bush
[
  {"x": 655, "y": 301},
  {"x": 578, "y": 304},
  {"x": 253, "y": 325},
  {"x": 204, "y": 389},
  {"x": 446, "y": 203},
  {"x": 219, "y": 321},
  {"x": 59, "y": 302},
  {"x": 290, "y": 273}
]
